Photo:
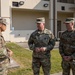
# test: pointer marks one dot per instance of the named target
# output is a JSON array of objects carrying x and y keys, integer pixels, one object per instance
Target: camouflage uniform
[
  {"x": 67, "y": 48},
  {"x": 4, "y": 61},
  {"x": 41, "y": 39}
]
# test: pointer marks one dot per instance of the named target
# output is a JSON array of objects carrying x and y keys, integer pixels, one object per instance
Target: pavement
[
  {"x": 60, "y": 73},
  {"x": 25, "y": 44},
  {"x": 13, "y": 64}
]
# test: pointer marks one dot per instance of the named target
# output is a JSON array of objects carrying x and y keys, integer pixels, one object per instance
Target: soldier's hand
[
  {"x": 43, "y": 49},
  {"x": 37, "y": 49},
  {"x": 67, "y": 58},
  {"x": 9, "y": 52}
]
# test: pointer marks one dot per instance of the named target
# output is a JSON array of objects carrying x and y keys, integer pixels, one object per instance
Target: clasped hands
[
  {"x": 40, "y": 49},
  {"x": 67, "y": 58}
]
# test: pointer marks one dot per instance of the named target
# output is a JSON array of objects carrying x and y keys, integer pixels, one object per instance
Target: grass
[
  {"x": 24, "y": 58},
  {"x": 56, "y": 61}
]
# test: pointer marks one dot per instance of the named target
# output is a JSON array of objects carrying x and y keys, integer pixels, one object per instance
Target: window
[
  {"x": 62, "y": 8},
  {"x": 70, "y": 1},
  {"x": 66, "y": 1}
]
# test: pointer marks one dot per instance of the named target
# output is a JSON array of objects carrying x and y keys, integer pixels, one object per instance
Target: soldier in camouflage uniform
[
  {"x": 41, "y": 42},
  {"x": 4, "y": 52},
  {"x": 67, "y": 47}
]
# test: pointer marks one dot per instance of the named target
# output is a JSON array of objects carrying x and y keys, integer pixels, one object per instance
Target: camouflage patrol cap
[
  {"x": 69, "y": 20},
  {"x": 40, "y": 20},
  {"x": 3, "y": 21}
]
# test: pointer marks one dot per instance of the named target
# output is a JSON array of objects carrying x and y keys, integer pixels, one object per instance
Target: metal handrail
[{"x": 59, "y": 32}]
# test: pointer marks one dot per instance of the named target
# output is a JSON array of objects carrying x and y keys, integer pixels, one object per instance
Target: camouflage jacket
[
  {"x": 2, "y": 42},
  {"x": 67, "y": 44},
  {"x": 41, "y": 39},
  {"x": 3, "y": 51}
]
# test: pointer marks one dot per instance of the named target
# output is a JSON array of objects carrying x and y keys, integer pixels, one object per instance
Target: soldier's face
[
  {"x": 40, "y": 26},
  {"x": 69, "y": 26},
  {"x": 2, "y": 27}
]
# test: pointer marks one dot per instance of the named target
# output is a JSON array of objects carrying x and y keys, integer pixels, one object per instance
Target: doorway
[{"x": 58, "y": 28}]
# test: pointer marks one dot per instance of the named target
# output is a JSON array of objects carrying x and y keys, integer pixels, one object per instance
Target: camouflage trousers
[
  {"x": 38, "y": 62},
  {"x": 66, "y": 66},
  {"x": 3, "y": 66}
]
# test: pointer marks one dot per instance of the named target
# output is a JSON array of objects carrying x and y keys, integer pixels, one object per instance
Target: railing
[
  {"x": 66, "y": 1},
  {"x": 59, "y": 33}
]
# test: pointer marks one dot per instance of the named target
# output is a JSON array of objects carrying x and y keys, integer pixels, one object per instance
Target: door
[{"x": 58, "y": 28}]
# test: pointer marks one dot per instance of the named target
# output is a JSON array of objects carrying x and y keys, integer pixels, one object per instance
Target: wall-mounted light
[
  {"x": 45, "y": 5},
  {"x": 21, "y": 2}
]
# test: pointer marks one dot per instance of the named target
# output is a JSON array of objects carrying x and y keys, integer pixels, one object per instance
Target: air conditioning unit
[{"x": 16, "y": 4}]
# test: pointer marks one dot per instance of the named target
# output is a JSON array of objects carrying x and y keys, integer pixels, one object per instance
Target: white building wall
[
  {"x": 5, "y": 8},
  {"x": 20, "y": 35},
  {"x": 26, "y": 20},
  {"x": 33, "y": 4},
  {"x": 39, "y": 5},
  {"x": 5, "y": 13},
  {"x": 67, "y": 6},
  {"x": 24, "y": 23}
]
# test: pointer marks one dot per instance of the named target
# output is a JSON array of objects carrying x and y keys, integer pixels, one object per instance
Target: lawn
[{"x": 24, "y": 58}]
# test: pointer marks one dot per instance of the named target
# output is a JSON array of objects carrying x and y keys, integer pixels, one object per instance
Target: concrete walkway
[
  {"x": 57, "y": 73},
  {"x": 13, "y": 64},
  {"x": 25, "y": 44}
]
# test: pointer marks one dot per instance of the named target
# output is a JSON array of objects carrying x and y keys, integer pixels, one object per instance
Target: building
[{"x": 21, "y": 16}]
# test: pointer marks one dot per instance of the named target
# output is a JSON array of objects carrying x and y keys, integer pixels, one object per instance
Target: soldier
[
  {"x": 4, "y": 52},
  {"x": 67, "y": 47},
  {"x": 41, "y": 42}
]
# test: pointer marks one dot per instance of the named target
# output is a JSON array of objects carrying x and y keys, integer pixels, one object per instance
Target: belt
[{"x": 3, "y": 57}]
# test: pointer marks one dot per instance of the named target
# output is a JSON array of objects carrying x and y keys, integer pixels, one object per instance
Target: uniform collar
[
  {"x": 71, "y": 30},
  {"x": 44, "y": 31}
]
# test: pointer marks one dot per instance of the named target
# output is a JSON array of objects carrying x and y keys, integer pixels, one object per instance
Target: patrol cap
[
  {"x": 69, "y": 20},
  {"x": 3, "y": 21},
  {"x": 40, "y": 20}
]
